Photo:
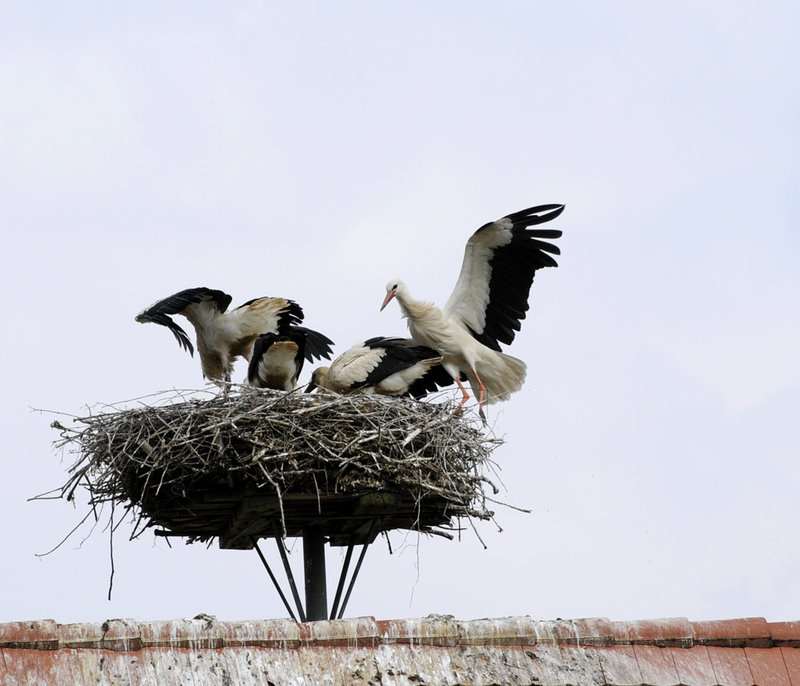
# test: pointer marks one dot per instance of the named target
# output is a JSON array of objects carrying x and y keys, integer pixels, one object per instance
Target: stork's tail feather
[{"x": 502, "y": 375}]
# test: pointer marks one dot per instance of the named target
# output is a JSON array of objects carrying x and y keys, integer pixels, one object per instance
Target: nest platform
[{"x": 250, "y": 464}]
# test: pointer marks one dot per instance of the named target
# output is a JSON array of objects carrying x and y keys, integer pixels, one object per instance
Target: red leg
[
  {"x": 464, "y": 394},
  {"x": 481, "y": 397}
]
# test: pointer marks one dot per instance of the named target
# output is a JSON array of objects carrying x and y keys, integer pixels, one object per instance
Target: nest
[{"x": 251, "y": 463}]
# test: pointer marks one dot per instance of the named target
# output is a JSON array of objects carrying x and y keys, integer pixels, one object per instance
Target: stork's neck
[
  {"x": 412, "y": 308},
  {"x": 424, "y": 318}
]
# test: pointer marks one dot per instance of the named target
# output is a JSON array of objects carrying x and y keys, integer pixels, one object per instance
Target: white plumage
[
  {"x": 487, "y": 304},
  {"x": 221, "y": 335},
  {"x": 386, "y": 366}
]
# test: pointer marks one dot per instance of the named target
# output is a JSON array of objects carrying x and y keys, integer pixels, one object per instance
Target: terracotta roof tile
[
  {"x": 41, "y": 634},
  {"x": 551, "y": 664},
  {"x": 791, "y": 658},
  {"x": 730, "y": 666},
  {"x": 767, "y": 666},
  {"x": 754, "y": 632},
  {"x": 675, "y": 631},
  {"x": 656, "y": 665},
  {"x": 620, "y": 665},
  {"x": 785, "y": 633},
  {"x": 693, "y": 666},
  {"x": 437, "y": 648},
  {"x": 596, "y": 631}
]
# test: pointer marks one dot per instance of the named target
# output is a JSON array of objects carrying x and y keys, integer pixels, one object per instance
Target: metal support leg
[
  {"x": 272, "y": 577},
  {"x": 343, "y": 576},
  {"x": 288, "y": 569},
  {"x": 356, "y": 570},
  {"x": 316, "y": 583}
]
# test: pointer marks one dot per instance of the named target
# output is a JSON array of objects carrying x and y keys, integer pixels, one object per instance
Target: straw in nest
[{"x": 251, "y": 463}]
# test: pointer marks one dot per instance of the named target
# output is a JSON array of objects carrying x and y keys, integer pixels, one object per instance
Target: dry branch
[{"x": 178, "y": 452}]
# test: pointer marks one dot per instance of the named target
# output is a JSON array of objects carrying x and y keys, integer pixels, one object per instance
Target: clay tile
[
  {"x": 567, "y": 664},
  {"x": 549, "y": 631},
  {"x": 39, "y": 634},
  {"x": 694, "y": 666},
  {"x": 505, "y": 631},
  {"x": 674, "y": 631},
  {"x": 767, "y": 666},
  {"x": 791, "y": 658},
  {"x": 656, "y": 664},
  {"x": 437, "y": 630},
  {"x": 730, "y": 666},
  {"x": 785, "y": 633},
  {"x": 268, "y": 633},
  {"x": 121, "y": 634},
  {"x": 750, "y": 632},
  {"x": 440, "y": 630},
  {"x": 199, "y": 633},
  {"x": 86, "y": 635},
  {"x": 620, "y": 665},
  {"x": 594, "y": 631},
  {"x": 356, "y": 632},
  {"x": 392, "y": 631}
]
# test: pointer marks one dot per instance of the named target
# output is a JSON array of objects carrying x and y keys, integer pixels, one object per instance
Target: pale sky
[{"x": 316, "y": 150}]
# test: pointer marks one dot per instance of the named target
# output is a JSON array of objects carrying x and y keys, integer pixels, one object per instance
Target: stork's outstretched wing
[
  {"x": 158, "y": 312},
  {"x": 490, "y": 298},
  {"x": 317, "y": 345}
]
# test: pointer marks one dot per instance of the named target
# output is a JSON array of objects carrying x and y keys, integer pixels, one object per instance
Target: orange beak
[{"x": 386, "y": 300}]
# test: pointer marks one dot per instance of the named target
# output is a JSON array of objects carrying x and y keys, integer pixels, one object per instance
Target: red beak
[{"x": 386, "y": 300}]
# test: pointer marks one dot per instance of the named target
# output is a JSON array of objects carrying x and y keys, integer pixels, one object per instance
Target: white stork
[
  {"x": 386, "y": 366},
  {"x": 278, "y": 358},
  {"x": 222, "y": 335},
  {"x": 485, "y": 308}
]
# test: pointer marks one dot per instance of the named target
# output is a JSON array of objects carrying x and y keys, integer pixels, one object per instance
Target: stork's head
[
  {"x": 392, "y": 289},
  {"x": 319, "y": 377}
]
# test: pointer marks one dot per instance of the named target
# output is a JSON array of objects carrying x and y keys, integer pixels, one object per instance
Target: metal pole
[
  {"x": 356, "y": 570},
  {"x": 316, "y": 584},
  {"x": 288, "y": 569},
  {"x": 343, "y": 576},
  {"x": 272, "y": 576}
]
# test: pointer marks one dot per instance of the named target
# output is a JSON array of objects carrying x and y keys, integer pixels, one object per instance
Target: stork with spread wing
[{"x": 488, "y": 303}]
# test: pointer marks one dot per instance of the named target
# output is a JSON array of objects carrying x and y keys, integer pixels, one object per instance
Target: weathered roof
[{"x": 432, "y": 650}]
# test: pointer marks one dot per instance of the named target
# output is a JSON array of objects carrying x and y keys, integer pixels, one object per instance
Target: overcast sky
[{"x": 316, "y": 150}]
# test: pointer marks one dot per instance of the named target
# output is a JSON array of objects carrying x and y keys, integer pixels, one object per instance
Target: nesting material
[{"x": 253, "y": 463}]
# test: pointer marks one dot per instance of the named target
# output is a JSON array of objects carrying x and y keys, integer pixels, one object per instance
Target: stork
[
  {"x": 221, "y": 335},
  {"x": 278, "y": 358},
  {"x": 486, "y": 306},
  {"x": 386, "y": 366}
]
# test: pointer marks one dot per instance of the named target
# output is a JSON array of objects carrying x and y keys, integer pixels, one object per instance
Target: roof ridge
[{"x": 206, "y": 632}]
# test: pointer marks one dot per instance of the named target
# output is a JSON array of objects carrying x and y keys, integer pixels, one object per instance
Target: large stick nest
[{"x": 257, "y": 463}]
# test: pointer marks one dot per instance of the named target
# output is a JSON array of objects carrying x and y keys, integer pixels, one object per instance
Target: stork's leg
[
  {"x": 481, "y": 397},
  {"x": 464, "y": 394}
]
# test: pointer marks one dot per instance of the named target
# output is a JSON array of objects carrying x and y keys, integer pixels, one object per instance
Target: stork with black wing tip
[
  {"x": 488, "y": 303},
  {"x": 222, "y": 335},
  {"x": 278, "y": 357},
  {"x": 385, "y": 366}
]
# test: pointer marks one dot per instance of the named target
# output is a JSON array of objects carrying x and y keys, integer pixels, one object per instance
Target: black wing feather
[
  {"x": 398, "y": 354},
  {"x": 311, "y": 345},
  {"x": 181, "y": 336},
  {"x": 159, "y": 312},
  {"x": 265, "y": 341},
  {"x": 177, "y": 303},
  {"x": 401, "y": 353},
  {"x": 316, "y": 345},
  {"x": 436, "y": 378},
  {"x": 513, "y": 267}
]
